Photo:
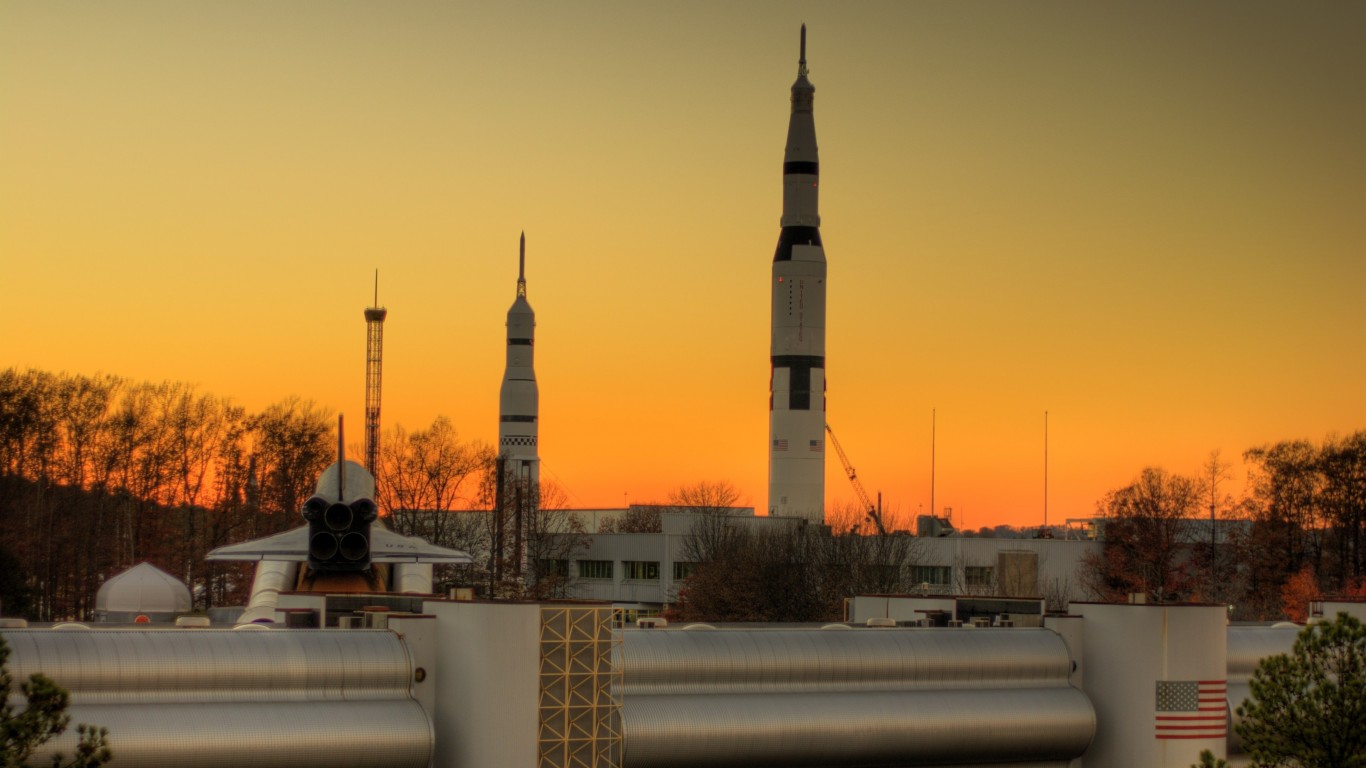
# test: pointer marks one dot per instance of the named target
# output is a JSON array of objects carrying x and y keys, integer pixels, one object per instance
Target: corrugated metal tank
[
  {"x": 212, "y": 698},
  {"x": 791, "y": 697}
]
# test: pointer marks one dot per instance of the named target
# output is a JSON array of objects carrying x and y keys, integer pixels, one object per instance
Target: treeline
[
  {"x": 1295, "y": 534},
  {"x": 99, "y": 473},
  {"x": 743, "y": 570}
]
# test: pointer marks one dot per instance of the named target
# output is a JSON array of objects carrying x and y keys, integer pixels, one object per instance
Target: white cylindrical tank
[{"x": 1157, "y": 675}]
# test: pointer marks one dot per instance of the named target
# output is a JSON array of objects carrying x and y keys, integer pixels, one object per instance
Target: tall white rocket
[
  {"x": 518, "y": 398},
  {"x": 796, "y": 418}
]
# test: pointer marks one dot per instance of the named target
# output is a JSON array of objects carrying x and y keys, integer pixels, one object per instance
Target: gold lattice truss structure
[{"x": 580, "y": 700}]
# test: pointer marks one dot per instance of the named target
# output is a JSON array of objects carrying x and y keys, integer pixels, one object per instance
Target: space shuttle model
[
  {"x": 340, "y": 514},
  {"x": 339, "y": 547},
  {"x": 796, "y": 419}
]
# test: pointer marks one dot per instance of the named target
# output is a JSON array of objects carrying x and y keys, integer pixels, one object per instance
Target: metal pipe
[
  {"x": 875, "y": 728},
  {"x": 319, "y": 734},
  {"x": 770, "y": 661},
  {"x": 163, "y": 666}
]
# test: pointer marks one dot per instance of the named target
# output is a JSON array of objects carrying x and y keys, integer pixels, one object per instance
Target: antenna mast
[{"x": 933, "y": 512}]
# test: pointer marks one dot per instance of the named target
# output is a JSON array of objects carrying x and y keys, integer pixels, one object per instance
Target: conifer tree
[
  {"x": 1308, "y": 708},
  {"x": 23, "y": 731}
]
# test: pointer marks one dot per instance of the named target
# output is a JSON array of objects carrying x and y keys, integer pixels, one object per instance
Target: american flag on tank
[
  {"x": 1195, "y": 709},
  {"x": 780, "y": 445},
  {"x": 817, "y": 446}
]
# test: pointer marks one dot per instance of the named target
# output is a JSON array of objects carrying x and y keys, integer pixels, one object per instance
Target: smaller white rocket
[{"x": 518, "y": 399}]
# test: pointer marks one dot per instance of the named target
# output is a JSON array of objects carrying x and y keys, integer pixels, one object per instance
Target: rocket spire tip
[
  {"x": 801, "y": 61},
  {"x": 521, "y": 266}
]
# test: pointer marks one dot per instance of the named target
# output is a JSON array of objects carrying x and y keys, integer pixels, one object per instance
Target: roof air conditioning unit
[
  {"x": 652, "y": 622},
  {"x": 880, "y": 622}
]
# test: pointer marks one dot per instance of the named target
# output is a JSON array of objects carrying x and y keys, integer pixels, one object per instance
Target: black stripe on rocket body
[{"x": 798, "y": 379}]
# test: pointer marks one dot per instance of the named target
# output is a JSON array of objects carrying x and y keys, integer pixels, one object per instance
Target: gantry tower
[{"x": 374, "y": 354}]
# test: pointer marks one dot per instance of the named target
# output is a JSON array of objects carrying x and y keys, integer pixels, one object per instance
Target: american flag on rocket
[
  {"x": 780, "y": 445},
  {"x": 1196, "y": 709}
]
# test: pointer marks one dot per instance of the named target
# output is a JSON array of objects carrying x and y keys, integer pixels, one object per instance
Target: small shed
[{"x": 143, "y": 590}]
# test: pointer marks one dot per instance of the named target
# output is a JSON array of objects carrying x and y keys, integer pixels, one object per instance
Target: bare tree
[
  {"x": 428, "y": 485},
  {"x": 639, "y": 518},
  {"x": 533, "y": 539},
  {"x": 1342, "y": 464},
  {"x": 1286, "y": 484},
  {"x": 1147, "y": 533},
  {"x": 713, "y": 531},
  {"x": 858, "y": 560},
  {"x": 785, "y": 570},
  {"x": 554, "y": 537},
  {"x": 197, "y": 426},
  {"x": 427, "y": 475},
  {"x": 1217, "y": 557}
]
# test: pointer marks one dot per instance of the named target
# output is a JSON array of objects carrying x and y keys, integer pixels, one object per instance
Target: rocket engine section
[{"x": 339, "y": 516}]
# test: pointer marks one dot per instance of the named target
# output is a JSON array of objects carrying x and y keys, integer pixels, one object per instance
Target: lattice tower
[{"x": 374, "y": 354}]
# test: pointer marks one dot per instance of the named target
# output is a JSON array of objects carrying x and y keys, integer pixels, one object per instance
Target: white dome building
[{"x": 143, "y": 590}]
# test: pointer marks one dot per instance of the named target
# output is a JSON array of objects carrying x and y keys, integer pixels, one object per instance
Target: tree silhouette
[{"x": 1147, "y": 539}]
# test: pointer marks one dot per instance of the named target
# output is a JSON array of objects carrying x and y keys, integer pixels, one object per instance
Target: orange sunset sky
[{"x": 1148, "y": 219}]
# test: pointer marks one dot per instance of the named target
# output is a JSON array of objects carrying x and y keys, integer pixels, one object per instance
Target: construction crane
[{"x": 873, "y": 512}]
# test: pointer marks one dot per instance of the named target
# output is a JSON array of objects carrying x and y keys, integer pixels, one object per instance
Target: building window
[
  {"x": 936, "y": 575},
  {"x": 979, "y": 575},
  {"x": 683, "y": 570},
  {"x": 595, "y": 569},
  {"x": 640, "y": 570},
  {"x": 551, "y": 568}
]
